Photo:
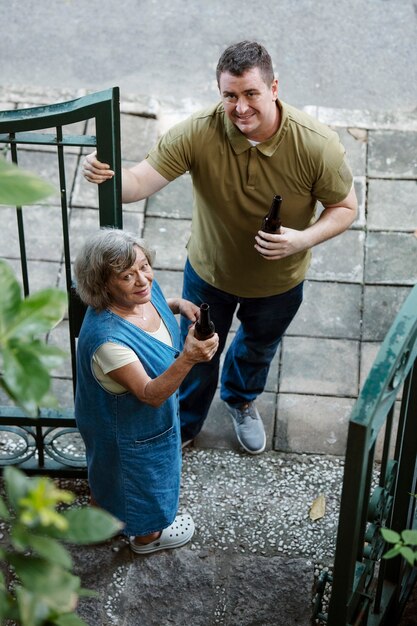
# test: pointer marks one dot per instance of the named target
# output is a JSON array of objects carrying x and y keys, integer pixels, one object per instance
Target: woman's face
[{"x": 134, "y": 285}]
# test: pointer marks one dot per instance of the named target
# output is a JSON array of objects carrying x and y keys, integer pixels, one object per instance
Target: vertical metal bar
[
  {"x": 21, "y": 229},
  {"x": 39, "y": 445},
  {"x": 349, "y": 544},
  {"x": 108, "y": 151},
  {"x": 67, "y": 251}
]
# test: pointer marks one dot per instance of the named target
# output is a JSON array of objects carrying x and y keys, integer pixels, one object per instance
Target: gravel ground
[
  {"x": 261, "y": 504},
  {"x": 256, "y": 505}
]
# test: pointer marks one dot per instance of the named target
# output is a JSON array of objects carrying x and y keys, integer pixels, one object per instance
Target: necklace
[{"x": 142, "y": 317}]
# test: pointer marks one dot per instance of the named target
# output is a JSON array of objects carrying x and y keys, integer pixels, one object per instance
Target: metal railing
[
  {"x": 36, "y": 445},
  {"x": 367, "y": 590}
]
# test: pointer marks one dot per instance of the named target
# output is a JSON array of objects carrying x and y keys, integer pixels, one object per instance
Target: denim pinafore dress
[{"x": 133, "y": 450}]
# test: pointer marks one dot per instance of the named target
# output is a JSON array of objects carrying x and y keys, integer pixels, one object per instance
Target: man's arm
[
  {"x": 335, "y": 219},
  {"x": 138, "y": 182}
]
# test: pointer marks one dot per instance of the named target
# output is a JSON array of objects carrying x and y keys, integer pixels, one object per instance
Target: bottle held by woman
[{"x": 204, "y": 327}]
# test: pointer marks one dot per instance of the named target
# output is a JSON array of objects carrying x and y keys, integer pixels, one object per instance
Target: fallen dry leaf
[{"x": 318, "y": 508}]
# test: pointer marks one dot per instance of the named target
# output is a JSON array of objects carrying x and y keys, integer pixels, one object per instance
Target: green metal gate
[
  {"x": 19, "y": 130},
  {"x": 366, "y": 589}
]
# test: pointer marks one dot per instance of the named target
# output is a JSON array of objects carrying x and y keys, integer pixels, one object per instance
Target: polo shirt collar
[{"x": 240, "y": 143}]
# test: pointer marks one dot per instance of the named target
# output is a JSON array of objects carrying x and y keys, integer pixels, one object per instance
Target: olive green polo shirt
[{"x": 234, "y": 183}]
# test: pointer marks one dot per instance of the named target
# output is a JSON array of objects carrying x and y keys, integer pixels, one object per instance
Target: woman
[{"x": 129, "y": 368}]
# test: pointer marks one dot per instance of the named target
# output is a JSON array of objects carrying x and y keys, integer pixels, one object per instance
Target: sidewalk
[{"x": 256, "y": 551}]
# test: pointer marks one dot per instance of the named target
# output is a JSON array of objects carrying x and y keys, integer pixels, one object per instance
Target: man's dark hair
[{"x": 243, "y": 56}]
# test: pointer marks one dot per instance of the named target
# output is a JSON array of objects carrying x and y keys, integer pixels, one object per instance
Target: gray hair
[
  {"x": 110, "y": 251},
  {"x": 243, "y": 56}
]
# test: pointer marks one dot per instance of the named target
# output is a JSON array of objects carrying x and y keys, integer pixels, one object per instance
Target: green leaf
[
  {"x": 56, "y": 586},
  {"x": 69, "y": 619},
  {"x": 409, "y": 537},
  {"x": 33, "y": 611},
  {"x": 4, "y": 512},
  {"x": 39, "y": 313},
  {"x": 16, "y": 484},
  {"x": 393, "y": 552},
  {"x": 10, "y": 297},
  {"x": 409, "y": 554},
  {"x": 25, "y": 376},
  {"x": 19, "y": 536},
  {"x": 50, "y": 356},
  {"x": 390, "y": 535},
  {"x": 89, "y": 525},
  {"x": 19, "y": 187},
  {"x": 51, "y": 550}
]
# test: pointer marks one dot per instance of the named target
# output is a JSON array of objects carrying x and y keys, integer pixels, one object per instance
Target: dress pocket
[{"x": 157, "y": 439}]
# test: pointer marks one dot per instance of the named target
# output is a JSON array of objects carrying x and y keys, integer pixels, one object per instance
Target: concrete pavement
[{"x": 255, "y": 543}]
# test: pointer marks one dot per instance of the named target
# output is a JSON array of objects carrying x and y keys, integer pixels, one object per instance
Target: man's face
[{"x": 250, "y": 103}]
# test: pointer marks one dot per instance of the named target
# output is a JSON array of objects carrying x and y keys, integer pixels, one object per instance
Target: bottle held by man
[
  {"x": 272, "y": 221},
  {"x": 204, "y": 327}
]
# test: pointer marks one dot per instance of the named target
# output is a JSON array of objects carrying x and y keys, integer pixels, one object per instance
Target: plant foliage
[
  {"x": 404, "y": 544},
  {"x": 46, "y": 591}
]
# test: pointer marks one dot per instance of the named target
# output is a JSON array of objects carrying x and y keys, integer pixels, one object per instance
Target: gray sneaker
[{"x": 248, "y": 427}]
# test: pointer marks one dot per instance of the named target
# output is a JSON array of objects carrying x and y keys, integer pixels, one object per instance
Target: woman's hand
[
  {"x": 197, "y": 350},
  {"x": 95, "y": 171},
  {"x": 186, "y": 308}
]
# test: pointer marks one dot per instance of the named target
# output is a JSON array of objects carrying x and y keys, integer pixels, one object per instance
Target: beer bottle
[
  {"x": 272, "y": 222},
  {"x": 204, "y": 327}
]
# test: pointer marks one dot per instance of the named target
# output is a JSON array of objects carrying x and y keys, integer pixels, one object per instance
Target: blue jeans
[{"x": 263, "y": 321}]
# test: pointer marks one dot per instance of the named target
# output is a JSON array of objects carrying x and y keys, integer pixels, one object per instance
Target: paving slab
[
  {"x": 161, "y": 233},
  {"x": 340, "y": 259},
  {"x": 170, "y": 282},
  {"x": 381, "y": 305},
  {"x": 174, "y": 201},
  {"x": 329, "y": 309},
  {"x": 306, "y": 366},
  {"x": 392, "y": 154},
  {"x": 392, "y": 205},
  {"x": 312, "y": 423},
  {"x": 138, "y": 135},
  {"x": 391, "y": 258}
]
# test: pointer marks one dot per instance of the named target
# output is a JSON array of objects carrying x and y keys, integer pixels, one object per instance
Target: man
[{"x": 240, "y": 153}]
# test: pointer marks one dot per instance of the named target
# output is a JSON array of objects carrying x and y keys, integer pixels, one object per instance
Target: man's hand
[
  {"x": 333, "y": 221},
  {"x": 95, "y": 171},
  {"x": 278, "y": 246}
]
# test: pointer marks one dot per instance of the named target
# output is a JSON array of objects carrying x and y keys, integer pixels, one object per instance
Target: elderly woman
[{"x": 129, "y": 368}]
